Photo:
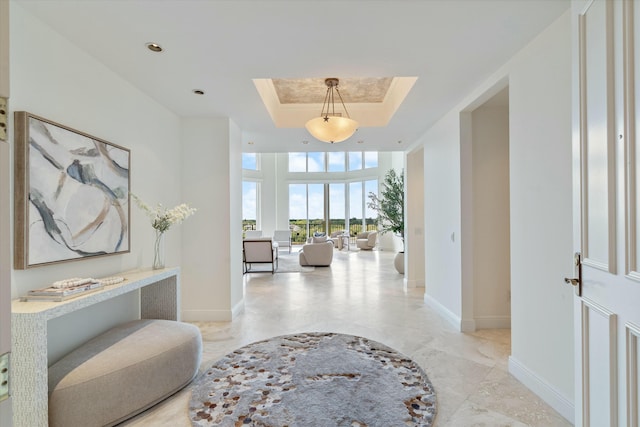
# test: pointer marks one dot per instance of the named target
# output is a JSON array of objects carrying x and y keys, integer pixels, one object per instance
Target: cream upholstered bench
[{"x": 123, "y": 372}]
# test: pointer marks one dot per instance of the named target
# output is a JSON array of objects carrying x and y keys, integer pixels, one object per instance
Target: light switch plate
[
  {"x": 4, "y": 376},
  {"x": 3, "y": 118}
]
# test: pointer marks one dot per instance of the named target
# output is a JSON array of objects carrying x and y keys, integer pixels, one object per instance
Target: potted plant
[{"x": 390, "y": 208}]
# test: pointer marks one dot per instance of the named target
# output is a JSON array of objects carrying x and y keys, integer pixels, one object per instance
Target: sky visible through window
[
  {"x": 306, "y": 201},
  {"x": 315, "y": 162},
  {"x": 298, "y": 201},
  {"x": 355, "y": 161},
  {"x": 337, "y": 200},
  {"x": 250, "y": 161},
  {"x": 249, "y": 200},
  {"x": 297, "y": 162},
  {"x": 335, "y": 161}
]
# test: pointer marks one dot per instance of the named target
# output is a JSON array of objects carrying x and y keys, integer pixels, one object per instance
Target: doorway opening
[{"x": 486, "y": 266}]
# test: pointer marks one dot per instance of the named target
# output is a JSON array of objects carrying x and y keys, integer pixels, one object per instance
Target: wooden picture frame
[{"x": 71, "y": 194}]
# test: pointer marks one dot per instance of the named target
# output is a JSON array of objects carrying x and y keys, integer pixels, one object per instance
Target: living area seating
[
  {"x": 366, "y": 240},
  {"x": 123, "y": 372},
  {"x": 259, "y": 251},
  {"x": 338, "y": 238},
  {"x": 252, "y": 234},
  {"x": 283, "y": 238},
  {"x": 316, "y": 254}
]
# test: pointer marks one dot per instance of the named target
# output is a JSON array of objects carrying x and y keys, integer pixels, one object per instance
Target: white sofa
[
  {"x": 366, "y": 240},
  {"x": 316, "y": 254}
]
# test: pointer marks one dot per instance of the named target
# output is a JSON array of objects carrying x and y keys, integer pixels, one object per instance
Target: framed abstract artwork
[{"x": 71, "y": 194}]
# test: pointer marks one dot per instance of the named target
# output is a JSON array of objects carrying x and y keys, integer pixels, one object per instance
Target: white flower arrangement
[{"x": 162, "y": 218}]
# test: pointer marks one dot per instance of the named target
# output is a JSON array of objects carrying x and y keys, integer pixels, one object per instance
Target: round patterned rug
[{"x": 313, "y": 379}]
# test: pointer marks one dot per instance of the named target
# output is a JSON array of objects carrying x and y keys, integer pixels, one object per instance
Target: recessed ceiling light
[
  {"x": 154, "y": 47},
  {"x": 198, "y": 92},
  {"x": 305, "y": 142}
]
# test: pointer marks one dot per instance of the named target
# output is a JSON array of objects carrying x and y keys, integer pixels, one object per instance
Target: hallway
[{"x": 362, "y": 294}]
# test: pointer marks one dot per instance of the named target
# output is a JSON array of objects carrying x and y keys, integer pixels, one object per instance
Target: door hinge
[
  {"x": 4, "y": 112},
  {"x": 4, "y": 376}
]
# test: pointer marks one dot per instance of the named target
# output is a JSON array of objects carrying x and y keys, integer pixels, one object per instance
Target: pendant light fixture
[{"x": 331, "y": 127}]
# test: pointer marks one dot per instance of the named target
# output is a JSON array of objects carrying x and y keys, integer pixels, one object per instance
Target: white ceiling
[{"x": 220, "y": 46}]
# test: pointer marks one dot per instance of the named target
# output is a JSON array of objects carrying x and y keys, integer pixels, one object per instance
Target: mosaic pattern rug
[{"x": 313, "y": 379}]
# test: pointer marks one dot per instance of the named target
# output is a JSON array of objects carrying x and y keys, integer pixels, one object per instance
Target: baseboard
[
  {"x": 468, "y": 325},
  {"x": 207, "y": 315},
  {"x": 237, "y": 309},
  {"x": 542, "y": 389},
  {"x": 443, "y": 311},
  {"x": 6, "y": 414},
  {"x": 413, "y": 283},
  {"x": 493, "y": 322}
]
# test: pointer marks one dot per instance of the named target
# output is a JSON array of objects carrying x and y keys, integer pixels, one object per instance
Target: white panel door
[
  {"x": 5, "y": 240},
  {"x": 607, "y": 315}
]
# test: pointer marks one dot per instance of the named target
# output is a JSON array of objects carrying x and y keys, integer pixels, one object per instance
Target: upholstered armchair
[
  {"x": 283, "y": 238},
  {"x": 316, "y": 254},
  {"x": 252, "y": 234},
  {"x": 337, "y": 237},
  {"x": 366, "y": 240},
  {"x": 259, "y": 251}
]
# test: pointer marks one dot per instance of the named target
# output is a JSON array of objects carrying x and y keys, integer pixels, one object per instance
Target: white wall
[
  {"x": 443, "y": 275},
  {"x": 540, "y": 202},
  {"x": 212, "y": 263},
  {"x": 541, "y": 209},
  {"x": 270, "y": 195},
  {"x": 414, "y": 219},
  {"x": 52, "y": 78},
  {"x": 236, "y": 282},
  {"x": 490, "y": 186}
]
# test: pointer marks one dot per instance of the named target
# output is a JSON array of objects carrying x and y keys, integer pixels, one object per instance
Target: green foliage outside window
[{"x": 390, "y": 204}]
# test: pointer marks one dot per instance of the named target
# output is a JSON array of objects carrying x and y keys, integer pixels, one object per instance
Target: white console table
[{"x": 159, "y": 299}]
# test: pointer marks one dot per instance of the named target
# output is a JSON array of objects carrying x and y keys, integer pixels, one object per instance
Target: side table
[{"x": 345, "y": 241}]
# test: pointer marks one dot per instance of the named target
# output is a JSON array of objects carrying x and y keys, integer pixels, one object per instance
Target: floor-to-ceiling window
[
  {"x": 298, "y": 222},
  {"x": 337, "y": 207},
  {"x": 315, "y": 210},
  {"x": 370, "y": 186},
  {"x": 249, "y": 205},
  {"x": 336, "y": 161},
  {"x": 250, "y": 194},
  {"x": 356, "y": 207},
  {"x": 306, "y": 211},
  {"x": 331, "y": 206},
  {"x": 310, "y": 192},
  {"x": 325, "y": 208},
  {"x": 361, "y": 217}
]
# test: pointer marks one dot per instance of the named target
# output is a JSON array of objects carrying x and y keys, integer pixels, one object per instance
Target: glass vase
[{"x": 158, "y": 251}]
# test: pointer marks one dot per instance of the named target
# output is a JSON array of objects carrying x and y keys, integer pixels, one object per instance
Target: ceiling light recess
[
  {"x": 331, "y": 127},
  {"x": 154, "y": 47}
]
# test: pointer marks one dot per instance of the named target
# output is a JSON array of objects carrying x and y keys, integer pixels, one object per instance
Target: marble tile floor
[{"x": 362, "y": 294}]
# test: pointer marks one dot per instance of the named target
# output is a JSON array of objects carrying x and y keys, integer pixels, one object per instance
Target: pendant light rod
[{"x": 329, "y": 99}]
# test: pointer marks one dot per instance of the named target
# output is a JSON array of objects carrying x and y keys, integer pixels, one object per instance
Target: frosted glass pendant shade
[{"x": 331, "y": 128}]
